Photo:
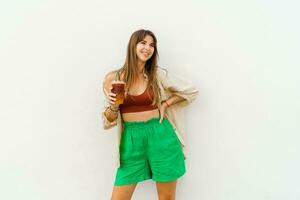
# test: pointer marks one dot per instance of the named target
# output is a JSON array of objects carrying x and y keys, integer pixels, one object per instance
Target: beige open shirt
[{"x": 169, "y": 84}]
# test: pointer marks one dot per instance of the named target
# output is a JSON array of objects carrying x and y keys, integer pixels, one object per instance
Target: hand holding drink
[{"x": 118, "y": 88}]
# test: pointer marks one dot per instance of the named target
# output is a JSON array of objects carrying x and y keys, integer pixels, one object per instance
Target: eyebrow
[{"x": 146, "y": 41}]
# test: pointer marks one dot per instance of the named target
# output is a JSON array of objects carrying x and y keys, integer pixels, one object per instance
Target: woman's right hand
[{"x": 112, "y": 99}]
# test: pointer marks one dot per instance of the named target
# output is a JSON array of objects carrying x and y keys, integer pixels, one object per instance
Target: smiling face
[
  {"x": 142, "y": 56},
  {"x": 145, "y": 49}
]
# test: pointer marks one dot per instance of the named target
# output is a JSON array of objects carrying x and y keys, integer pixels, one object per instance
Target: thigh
[
  {"x": 163, "y": 138},
  {"x": 165, "y": 153},
  {"x": 166, "y": 190},
  {"x": 134, "y": 165},
  {"x": 123, "y": 192}
]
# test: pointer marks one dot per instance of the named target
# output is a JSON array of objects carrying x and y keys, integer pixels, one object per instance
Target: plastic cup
[{"x": 118, "y": 87}]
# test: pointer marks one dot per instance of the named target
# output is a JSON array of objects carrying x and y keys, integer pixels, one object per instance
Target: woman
[{"x": 150, "y": 121}]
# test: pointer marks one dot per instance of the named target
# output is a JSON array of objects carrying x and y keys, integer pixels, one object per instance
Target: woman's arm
[
  {"x": 178, "y": 86},
  {"x": 110, "y": 111},
  {"x": 173, "y": 100},
  {"x": 167, "y": 103}
]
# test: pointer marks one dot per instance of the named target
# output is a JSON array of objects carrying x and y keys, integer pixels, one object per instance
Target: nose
[{"x": 147, "y": 46}]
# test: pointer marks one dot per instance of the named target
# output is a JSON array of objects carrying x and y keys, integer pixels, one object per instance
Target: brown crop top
[{"x": 138, "y": 103}]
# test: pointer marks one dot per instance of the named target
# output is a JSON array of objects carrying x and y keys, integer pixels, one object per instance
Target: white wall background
[{"x": 242, "y": 131}]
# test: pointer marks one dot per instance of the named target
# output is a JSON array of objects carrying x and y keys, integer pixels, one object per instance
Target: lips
[{"x": 145, "y": 54}]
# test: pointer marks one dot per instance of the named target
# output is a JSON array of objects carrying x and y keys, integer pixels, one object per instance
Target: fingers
[
  {"x": 161, "y": 118},
  {"x": 112, "y": 102},
  {"x": 112, "y": 94},
  {"x": 111, "y": 98},
  {"x": 162, "y": 113}
]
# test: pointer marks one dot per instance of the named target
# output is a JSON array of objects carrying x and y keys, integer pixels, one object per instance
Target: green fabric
[{"x": 149, "y": 150}]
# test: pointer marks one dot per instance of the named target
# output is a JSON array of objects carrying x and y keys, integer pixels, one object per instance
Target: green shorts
[{"x": 149, "y": 150}]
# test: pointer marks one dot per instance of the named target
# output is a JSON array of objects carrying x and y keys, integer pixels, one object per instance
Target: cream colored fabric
[{"x": 169, "y": 84}]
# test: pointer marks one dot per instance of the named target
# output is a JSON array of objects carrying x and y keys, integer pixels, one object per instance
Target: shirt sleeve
[
  {"x": 178, "y": 85},
  {"x": 106, "y": 123}
]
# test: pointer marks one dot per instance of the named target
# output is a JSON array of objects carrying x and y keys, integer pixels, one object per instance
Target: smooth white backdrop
[{"x": 242, "y": 131}]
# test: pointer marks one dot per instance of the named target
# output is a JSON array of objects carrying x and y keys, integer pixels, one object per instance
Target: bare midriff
[{"x": 140, "y": 116}]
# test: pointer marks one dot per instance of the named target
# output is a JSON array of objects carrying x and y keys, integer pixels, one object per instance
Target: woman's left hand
[{"x": 162, "y": 111}]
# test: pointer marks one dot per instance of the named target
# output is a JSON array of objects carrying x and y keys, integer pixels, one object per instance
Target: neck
[{"x": 141, "y": 67}]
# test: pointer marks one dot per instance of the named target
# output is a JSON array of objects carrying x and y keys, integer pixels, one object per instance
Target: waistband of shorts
[{"x": 148, "y": 122}]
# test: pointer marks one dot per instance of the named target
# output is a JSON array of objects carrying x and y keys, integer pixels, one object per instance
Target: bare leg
[
  {"x": 123, "y": 192},
  {"x": 166, "y": 190}
]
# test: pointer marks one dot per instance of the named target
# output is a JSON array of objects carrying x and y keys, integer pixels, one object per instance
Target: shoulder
[
  {"x": 161, "y": 72},
  {"x": 107, "y": 80},
  {"x": 110, "y": 76}
]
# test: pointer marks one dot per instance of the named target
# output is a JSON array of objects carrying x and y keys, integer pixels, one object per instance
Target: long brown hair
[{"x": 130, "y": 68}]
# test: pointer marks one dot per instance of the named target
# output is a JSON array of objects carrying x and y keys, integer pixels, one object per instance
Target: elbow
[{"x": 187, "y": 98}]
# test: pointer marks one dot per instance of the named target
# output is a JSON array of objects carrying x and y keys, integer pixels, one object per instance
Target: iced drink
[{"x": 118, "y": 87}]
